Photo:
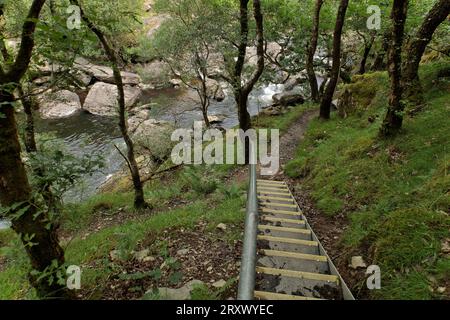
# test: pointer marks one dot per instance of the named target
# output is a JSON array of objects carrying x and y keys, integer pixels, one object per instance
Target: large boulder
[
  {"x": 214, "y": 90},
  {"x": 295, "y": 80},
  {"x": 104, "y": 73},
  {"x": 272, "y": 49},
  {"x": 136, "y": 119},
  {"x": 149, "y": 127},
  {"x": 288, "y": 98},
  {"x": 102, "y": 98},
  {"x": 156, "y": 73},
  {"x": 60, "y": 104}
]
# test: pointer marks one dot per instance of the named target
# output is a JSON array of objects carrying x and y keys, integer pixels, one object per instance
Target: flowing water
[{"x": 83, "y": 133}]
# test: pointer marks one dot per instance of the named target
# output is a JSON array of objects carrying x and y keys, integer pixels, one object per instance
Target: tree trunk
[
  {"x": 15, "y": 189},
  {"x": 380, "y": 60},
  {"x": 416, "y": 49},
  {"x": 245, "y": 122},
  {"x": 242, "y": 91},
  {"x": 394, "y": 118},
  {"x": 139, "y": 200},
  {"x": 325, "y": 106},
  {"x": 312, "y": 51},
  {"x": 243, "y": 114},
  {"x": 29, "y": 136},
  {"x": 45, "y": 253},
  {"x": 367, "y": 49}
]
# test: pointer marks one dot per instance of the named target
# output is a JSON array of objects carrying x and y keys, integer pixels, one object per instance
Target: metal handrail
[{"x": 248, "y": 262}]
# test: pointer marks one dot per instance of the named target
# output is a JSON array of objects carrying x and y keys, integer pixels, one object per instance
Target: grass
[
  {"x": 283, "y": 121},
  {"x": 91, "y": 249},
  {"x": 395, "y": 192}
]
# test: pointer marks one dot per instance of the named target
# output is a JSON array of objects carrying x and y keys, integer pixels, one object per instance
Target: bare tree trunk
[
  {"x": 29, "y": 135},
  {"x": 325, "y": 106},
  {"x": 312, "y": 51},
  {"x": 139, "y": 200},
  {"x": 380, "y": 60},
  {"x": 367, "y": 48},
  {"x": 394, "y": 118},
  {"x": 30, "y": 142},
  {"x": 417, "y": 46},
  {"x": 46, "y": 255},
  {"x": 242, "y": 91}
]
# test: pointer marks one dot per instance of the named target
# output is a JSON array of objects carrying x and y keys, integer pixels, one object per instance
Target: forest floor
[
  {"x": 384, "y": 200},
  {"x": 193, "y": 232}
]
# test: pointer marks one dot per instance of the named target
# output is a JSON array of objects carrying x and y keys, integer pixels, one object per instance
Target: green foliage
[
  {"x": 408, "y": 237},
  {"x": 155, "y": 274},
  {"x": 203, "y": 292},
  {"x": 297, "y": 168},
  {"x": 394, "y": 192},
  {"x": 199, "y": 181},
  {"x": 330, "y": 206},
  {"x": 284, "y": 121},
  {"x": 230, "y": 192},
  {"x": 59, "y": 169}
]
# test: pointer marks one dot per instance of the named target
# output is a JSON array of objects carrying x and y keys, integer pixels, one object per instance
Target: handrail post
[{"x": 248, "y": 261}]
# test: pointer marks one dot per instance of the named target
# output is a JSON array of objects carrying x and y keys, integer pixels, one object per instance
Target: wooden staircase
[{"x": 291, "y": 262}]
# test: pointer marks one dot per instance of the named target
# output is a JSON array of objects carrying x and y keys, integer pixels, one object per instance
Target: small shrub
[{"x": 200, "y": 182}]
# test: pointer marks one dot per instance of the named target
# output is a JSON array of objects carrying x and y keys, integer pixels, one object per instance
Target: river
[{"x": 84, "y": 133}]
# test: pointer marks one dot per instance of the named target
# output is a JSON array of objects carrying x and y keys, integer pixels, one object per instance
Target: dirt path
[{"x": 329, "y": 230}]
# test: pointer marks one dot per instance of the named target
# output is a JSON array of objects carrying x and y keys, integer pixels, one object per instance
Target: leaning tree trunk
[
  {"x": 312, "y": 51},
  {"x": 29, "y": 137},
  {"x": 34, "y": 226},
  {"x": 29, "y": 134},
  {"x": 139, "y": 200},
  {"x": 367, "y": 48},
  {"x": 325, "y": 106},
  {"x": 416, "y": 49},
  {"x": 394, "y": 118},
  {"x": 31, "y": 225}
]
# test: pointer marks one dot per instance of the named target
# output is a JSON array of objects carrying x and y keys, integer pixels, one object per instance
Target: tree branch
[{"x": 23, "y": 58}]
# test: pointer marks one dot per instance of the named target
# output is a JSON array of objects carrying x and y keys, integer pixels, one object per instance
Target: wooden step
[
  {"x": 275, "y": 211},
  {"x": 274, "y": 219},
  {"x": 285, "y": 229},
  {"x": 289, "y": 240},
  {"x": 294, "y": 255},
  {"x": 272, "y": 198},
  {"x": 270, "y": 181},
  {"x": 271, "y": 187},
  {"x": 273, "y": 193},
  {"x": 264, "y": 295},
  {"x": 284, "y": 205},
  {"x": 298, "y": 274}
]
